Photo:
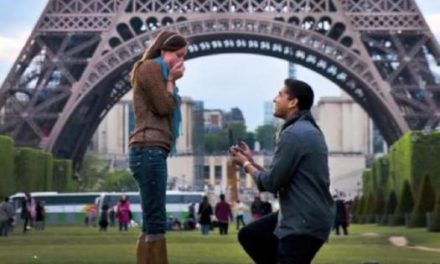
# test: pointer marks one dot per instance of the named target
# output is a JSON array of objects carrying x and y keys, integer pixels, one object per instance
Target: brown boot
[
  {"x": 141, "y": 250},
  {"x": 157, "y": 252}
]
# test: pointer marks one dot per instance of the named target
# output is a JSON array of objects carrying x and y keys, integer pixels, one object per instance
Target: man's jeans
[
  {"x": 264, "y": 247},
  {"x": 149, "y": 168}
]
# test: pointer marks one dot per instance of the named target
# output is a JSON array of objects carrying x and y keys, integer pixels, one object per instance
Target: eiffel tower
[{"x": 74, "y": 66}]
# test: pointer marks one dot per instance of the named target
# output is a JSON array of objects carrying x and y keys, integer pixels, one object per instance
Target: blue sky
[{"x": 213, "y": 79}]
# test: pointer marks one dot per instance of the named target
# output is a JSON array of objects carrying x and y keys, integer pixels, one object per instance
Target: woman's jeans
[
  {"x": 205, "y": 229},
  {"x": 149, "y": 168}
]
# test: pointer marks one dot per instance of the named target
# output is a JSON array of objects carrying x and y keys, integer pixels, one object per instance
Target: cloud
[
  {"x": 433, "y": 21},
  {"x": 10, "y": 46}
]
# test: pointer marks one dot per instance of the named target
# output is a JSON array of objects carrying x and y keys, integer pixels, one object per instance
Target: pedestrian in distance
[
  {"x": 342, "y": 216},
  {"x": 157, "y": 122},
  {"x": 123, "y": 213},
  {"x": 257, "y": 208},
  {"x": 7, "y": 213},
  {"x": 299, "y": 176},
  {"x": 223, "y": 214},
  {"x": 104, "y": 218},
  {"x": 205, "y": 215},
  {"x": 28, "y": 211},
  {"x": 239, "y": 210},
  {"x": 40, "y": 218}
]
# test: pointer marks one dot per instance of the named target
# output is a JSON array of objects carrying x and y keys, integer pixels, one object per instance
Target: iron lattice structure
[{"x": 74, "y": 66}]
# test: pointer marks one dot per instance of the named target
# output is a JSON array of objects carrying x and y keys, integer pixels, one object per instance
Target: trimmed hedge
[
  {"x": 367, "y": 182},
  {"x": 7, "y": 179},
  {"x": 28, "y": 170},
  {"x": 32, "y": 170},
  {"x": 424, "y": 203},
  {"x": 62, "y": 176},
  {"x": 48, "y": 172},
  {"x": 379, "y": 206},
  {"x": 434, "y": 223},
  {"x": 368, "y": 215},
  {"x": 411, "y": 157},
  {"x": 380, "y": 175},
  {"x": 404, "y": 206},
  {"x": 400, "y": 157},
  {"x": 390, "y": 207}
]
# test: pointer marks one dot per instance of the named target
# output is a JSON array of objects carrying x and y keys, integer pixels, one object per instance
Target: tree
[
  {"x": 92, "y": 171},
  {"x": 216, "y": 142},
  {"x": 238, "y": 131},
  {"x": 249, "y": 139},
  {"x": 390, "y": 207},
  {"x": 369, "y": 209},
  {"x": 424, "y": 203},
  {"x": 118, "y": 181},
  {"x": 266, "y": 136},
  {"x": 434, "y": 224},
  {"x": 379, "y": 206},
  {"x": 404, "y": 206}
]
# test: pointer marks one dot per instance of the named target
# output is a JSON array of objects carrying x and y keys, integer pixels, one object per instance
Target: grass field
[{"x": 75, "y": 244}]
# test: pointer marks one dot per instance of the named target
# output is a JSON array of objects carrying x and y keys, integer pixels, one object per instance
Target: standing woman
[
  {"x": 123, "y": 213},
  {"x": 157, "y": 109},
  {"x": 205, "y": 213}
]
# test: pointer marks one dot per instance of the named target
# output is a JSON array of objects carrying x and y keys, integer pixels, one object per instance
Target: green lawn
[{"x": 86, "y": 245}]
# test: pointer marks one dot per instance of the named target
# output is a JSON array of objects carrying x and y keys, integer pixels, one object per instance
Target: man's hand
[
  {"x": 245, "y": 150},
  {"x": 237, "y": 156}
]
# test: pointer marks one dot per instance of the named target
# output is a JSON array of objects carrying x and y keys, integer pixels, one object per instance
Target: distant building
[
  {"x": 351, "y": 138},
  {"x": 234, "y": 116},
  {"x": 213, "y": 119},
  {"x": 111, "y": 139}
]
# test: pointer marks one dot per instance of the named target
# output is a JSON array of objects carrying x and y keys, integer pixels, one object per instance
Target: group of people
[
  {"x": 121, "y": 211},
  {"x": 33, "y": 214},
  {"x": 298, "y": 175},
  {"x": 222, "y": 212}
]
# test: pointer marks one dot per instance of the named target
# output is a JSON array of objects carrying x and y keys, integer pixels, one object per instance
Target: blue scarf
[{"x": 177, "y": 115}]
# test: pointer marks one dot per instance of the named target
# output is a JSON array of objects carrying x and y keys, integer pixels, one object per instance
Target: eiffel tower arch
[{"x": 74, "y": 66}]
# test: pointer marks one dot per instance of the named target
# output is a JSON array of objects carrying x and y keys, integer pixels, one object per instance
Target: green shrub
[
  {"x": 48, "y": 171},
  {"x": 379, "y": 207},
  {"x": 357, "y": 212},
  {"x": 390, "y": 207},
  {"x": 29, "y": 172},
  {"x": 424, "y": 203},
  {"x": 62, "y": 176},
  {"x": 380, "y": 174},
  {"x": 404, "y": 206},
  {"x": 413, "y": 155},
  {"x": 7, "y": 179},
  {"x": 367, "y": 182},
  {"x": 434, "y": 224},
  {"x": 368, "y": 211}
]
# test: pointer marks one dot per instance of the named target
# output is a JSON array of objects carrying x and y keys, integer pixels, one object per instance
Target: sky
[{"x": 221, "y": 81}]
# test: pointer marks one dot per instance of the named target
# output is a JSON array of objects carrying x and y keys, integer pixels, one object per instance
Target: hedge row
[
  {"x": 414, "y": 155},
  {"x": 411, "y": 172},
  {"x": 62, "y": 176},
  {"x": 33, "y": 170},
  {"x": 7, "y": 179}
]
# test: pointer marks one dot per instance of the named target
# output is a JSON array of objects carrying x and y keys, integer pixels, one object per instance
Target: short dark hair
[{"x": 302, "y": 91}]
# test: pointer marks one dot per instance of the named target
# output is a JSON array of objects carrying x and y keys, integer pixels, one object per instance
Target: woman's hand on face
[{"x": 177, "y": 71}]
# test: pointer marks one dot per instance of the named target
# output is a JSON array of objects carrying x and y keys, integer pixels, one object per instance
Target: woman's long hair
[{"x": 165, "y": 40}]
